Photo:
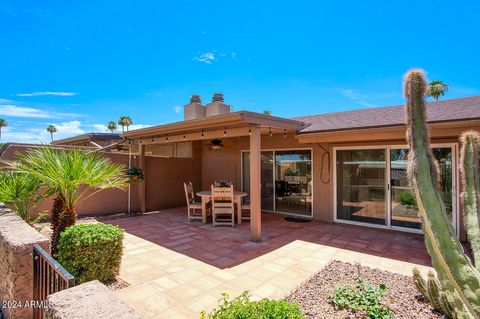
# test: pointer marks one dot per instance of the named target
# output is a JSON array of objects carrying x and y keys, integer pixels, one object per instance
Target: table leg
[
  {"x": 239, "y": 209},
  {"x": 204, "y": 209}
]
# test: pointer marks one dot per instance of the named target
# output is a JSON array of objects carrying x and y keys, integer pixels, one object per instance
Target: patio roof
[{"x": 231, "y": 125}]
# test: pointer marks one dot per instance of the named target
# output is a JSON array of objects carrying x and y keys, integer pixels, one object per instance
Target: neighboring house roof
[
  {"x": 90, "y": 137},
  {"x": 461, "y": 109}
]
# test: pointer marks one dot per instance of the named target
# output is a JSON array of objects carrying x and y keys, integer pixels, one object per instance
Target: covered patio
[{"x": 225, "y": 126}]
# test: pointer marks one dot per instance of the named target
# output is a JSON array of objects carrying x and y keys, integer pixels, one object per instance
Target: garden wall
[
  {"x": 88, "y": 300},
  {"x": 16, "y": 262},
  {"x": 164, "y": 178}
]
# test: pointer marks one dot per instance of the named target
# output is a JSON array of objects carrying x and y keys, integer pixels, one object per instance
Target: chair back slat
[
  {"x": 222, "y": 196},
  {"x": 189, "y": 195}
]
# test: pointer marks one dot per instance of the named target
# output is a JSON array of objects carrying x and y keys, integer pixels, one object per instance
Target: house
[
  {"x": 90, "y": 140},
  {"x": 344, "y": 167}
]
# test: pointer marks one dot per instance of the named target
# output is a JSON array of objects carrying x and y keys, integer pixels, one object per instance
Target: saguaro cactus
[
  {"x": 458, "y": 277},
  {"x": 469, "y": 169}
]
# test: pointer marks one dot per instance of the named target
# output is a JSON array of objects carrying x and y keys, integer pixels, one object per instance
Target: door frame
[
  {"x": 388, "y": 206},
  {"x": 274, "y": 175}
]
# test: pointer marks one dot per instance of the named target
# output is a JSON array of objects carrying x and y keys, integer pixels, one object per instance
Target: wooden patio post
[
  {"x": 141, "y": 189},
  {"x": 255, "y": 186}
]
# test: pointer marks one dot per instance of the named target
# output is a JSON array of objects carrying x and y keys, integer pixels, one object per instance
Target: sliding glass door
[
  {"x": 361, "y": 187},
  {"x": 372, "y": 186},
  {"x": 286, "y": 178},
  {"x": 404, "y": 209}
]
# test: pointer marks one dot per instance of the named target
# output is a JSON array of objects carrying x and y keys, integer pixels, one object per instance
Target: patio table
[{"x": 207, "y": 196}]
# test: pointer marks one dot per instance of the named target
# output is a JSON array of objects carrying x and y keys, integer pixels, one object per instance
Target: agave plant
[
  {"x": 19, "y": 192},
  {"x": 73, "y": 176}
]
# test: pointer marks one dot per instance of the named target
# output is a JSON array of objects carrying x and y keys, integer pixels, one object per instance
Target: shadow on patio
[{"x": 226, "y": 247}]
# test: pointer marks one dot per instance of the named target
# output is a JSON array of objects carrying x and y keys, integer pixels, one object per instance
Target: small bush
[
  {"x": 362, "y": 298},
  {"x": 91, "y": 251},
  {"x": 242, "y": 308},
  {"x": 407, "y": 199}
]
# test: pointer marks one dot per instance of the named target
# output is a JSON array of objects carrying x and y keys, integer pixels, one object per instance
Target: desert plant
[
  {"x": 125, "y": 121},
  {"x": 51, "y": 129},
  {"x": 241, "y": 307},
  {"x": 363, "y": 298},
  {"x": 432, "y": 291},
  {"x": 91, "y": 251},
  {"x": 20, "y": 192},
  {"x": 112, "y": 126},
  {"x": 458, "y": 277},
  {"x": 469, "y": 169},
  {"x": 72, "y": 176},
  {"x": 436, "y": 89},
  {"x": 3, "y": 123}
]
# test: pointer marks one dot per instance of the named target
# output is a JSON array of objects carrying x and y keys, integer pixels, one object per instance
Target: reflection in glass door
[
  {"x": 404, "y": 210},
  {"x": 286, "y": 181},
  {"x": 293, "y": 182},
  {"x": 360, "y": 185}
]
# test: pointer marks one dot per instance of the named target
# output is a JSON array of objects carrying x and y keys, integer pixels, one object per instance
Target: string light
[
  {"x": 184, "y": 136},
  {"x": 225, "y": 132},
  {"x": 270, "y": 133},
  {"x": 249, "y": 131},
  {"x": 202, "y": 133},
  {"x": 166, "y": 138},
  {"x": 284, "y": 133}
]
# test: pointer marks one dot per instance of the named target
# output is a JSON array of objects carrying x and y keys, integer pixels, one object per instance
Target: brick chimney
[
  {"x": 217, "y": 107},
  {"x": 194, "y": 110}
]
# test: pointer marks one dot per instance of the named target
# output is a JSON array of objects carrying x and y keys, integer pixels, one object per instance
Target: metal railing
[{"x": 48, "y": 277}]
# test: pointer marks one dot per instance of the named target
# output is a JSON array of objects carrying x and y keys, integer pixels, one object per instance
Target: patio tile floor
[{"x": 177, "y": 280}]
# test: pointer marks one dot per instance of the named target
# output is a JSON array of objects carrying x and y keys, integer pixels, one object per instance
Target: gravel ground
[{"x": 401, "y": 296}]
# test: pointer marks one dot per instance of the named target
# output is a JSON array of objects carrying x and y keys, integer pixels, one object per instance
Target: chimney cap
[
  {"x": 217, "y": 97},
  {"x": 195, "y": 99}
]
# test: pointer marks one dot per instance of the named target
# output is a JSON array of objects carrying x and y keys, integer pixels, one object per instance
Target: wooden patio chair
[
  {"x": 194, "y": 208},
  {"x": 223, "y": 206},
  {"x": 244, "y": 217}
]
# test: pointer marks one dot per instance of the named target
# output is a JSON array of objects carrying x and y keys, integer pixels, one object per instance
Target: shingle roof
[{"x": 447, "y": 110}]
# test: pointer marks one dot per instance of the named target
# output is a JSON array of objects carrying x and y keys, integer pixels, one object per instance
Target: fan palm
[
  {"x": 125, "y": 121},
  {"x": 112, "y": 126},
  {"x": 51, "y": 129},
  {"x": 73, "y": 176},
  {"x": 19, "y": 191},
  {"x": 3, "y": 123},
  {"x": 436, "y": 89}
]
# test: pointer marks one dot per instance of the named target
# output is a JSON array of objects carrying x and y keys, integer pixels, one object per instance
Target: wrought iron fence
[{"x": 48, "y": 277}]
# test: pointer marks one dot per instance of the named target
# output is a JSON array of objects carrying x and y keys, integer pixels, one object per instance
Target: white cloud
[
  {"x": 5, "y": 100},
  {"x": 207, "y": 57},
  {"x": 178, "y": 109},
  {"x": 20, "y": 111},
  {"x": 48, "y": 93},
  {"x": 356, "y": 96}
]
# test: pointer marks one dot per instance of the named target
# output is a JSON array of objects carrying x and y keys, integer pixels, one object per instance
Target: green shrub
[
  {"x": 242, "y": 308},
  {"x": 91, "y": 251},
  {"x": 362, "y": 298},
  {"x": 407, "y": 199}
]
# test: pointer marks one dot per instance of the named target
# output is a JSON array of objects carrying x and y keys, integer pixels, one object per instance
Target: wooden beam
[
  {"x": 141, "y": 186},
  {"x": 255, "y": 186}
]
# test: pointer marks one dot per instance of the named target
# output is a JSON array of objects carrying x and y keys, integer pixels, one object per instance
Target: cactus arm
[
  {"x": 459, "y": 278},
  {"x": 433, "y": 291},
  {"x": 471, "y": 190},
  {"x": 420, "y": 283}
]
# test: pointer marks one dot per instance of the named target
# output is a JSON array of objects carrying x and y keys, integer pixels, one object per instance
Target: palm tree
[
  {"x": 19, "y": 192},
  {"x": 51, "y": 129},
  {"x": 125, "y": 121},
  {"x": 3, "y": 123},
  {"x": 71, "y": 175},
  {"x": 267, "y": 112},
  {"x": 112, "y": 126},
  {"x": 436, "y": 89}
]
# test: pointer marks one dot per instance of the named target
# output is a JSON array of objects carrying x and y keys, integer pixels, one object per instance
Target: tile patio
[{"x": 176, "y": 269}]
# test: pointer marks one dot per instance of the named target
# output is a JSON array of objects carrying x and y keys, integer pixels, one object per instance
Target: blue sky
[{"x": 79, "y": 64}]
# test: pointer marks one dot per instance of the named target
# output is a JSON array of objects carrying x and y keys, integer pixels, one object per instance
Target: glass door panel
[
  {"x": 293, "y": 182},
  {"x": 266, "y": 170},
  {"x": 361, "y": 185},
  {"x": 403, "y": 204}
]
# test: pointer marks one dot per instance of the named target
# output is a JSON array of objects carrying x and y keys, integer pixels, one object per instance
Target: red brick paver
[{"x": 226, "y": 247}]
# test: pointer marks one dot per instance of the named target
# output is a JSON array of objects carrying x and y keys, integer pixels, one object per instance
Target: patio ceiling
[{"x": 226, "y": 125}]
